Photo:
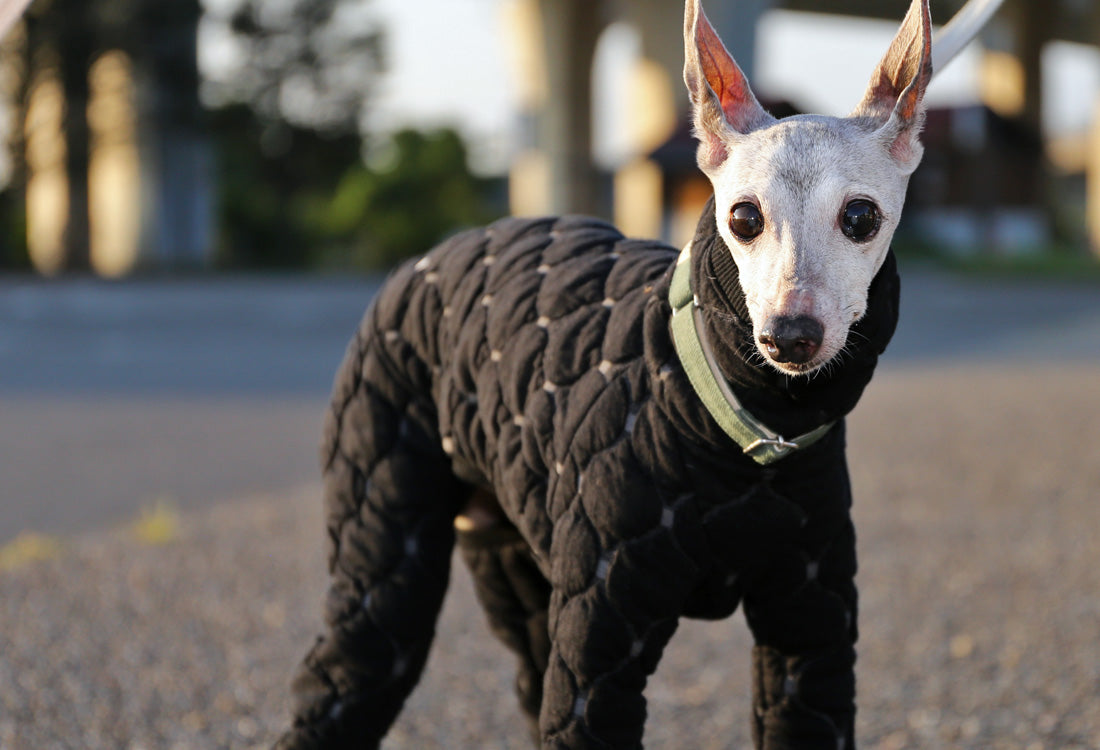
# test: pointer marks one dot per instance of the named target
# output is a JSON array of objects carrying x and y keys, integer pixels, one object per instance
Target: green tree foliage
[
  {"x": 294, "y": 191},
  {"x": 423, "y": 191},
  {"x": 267, "y": 176},
  {"x": 294, "y": 198}
]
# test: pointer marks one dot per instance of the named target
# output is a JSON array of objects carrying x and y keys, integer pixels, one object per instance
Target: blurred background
[
  {"x": 199, "y": 199},
  {"x": 167, "y": 136}
]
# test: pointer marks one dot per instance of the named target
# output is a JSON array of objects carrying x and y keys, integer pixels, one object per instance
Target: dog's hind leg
[
  {"x": 515, "y": 596},
  {"x": 390, "y": 500}
]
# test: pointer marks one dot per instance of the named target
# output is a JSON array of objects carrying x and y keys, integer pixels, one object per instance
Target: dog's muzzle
[{"x": 791, "y": 340}]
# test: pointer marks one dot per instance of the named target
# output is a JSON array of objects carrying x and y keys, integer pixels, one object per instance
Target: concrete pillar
[
  {"x": 114, "y": 172},
  {"x": 656, "y": 103},
  {"x": 554, "y": 50},
  {"x": 176, "y": 157},
  {"x": 1011, "y": 85},
  {"x": 528, "y": 176},
  {"x": 47, "y": 191},
  {"x": 571, "y": 29},
  {"x": 555, "y": 174},
  {"x": 1033, "y": 30},
  {"x": 660, "y": 23},
  {"x": 1092, "y": 176}
]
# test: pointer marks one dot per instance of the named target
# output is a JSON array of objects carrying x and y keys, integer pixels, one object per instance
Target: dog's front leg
[
  {"x": 596, "y": 674},
  {"x": 610, "y": 619},
  {"x": 802, "y": 613}
]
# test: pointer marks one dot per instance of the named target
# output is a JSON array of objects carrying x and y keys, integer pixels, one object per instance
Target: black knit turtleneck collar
[{"x": 788, "y": 404}]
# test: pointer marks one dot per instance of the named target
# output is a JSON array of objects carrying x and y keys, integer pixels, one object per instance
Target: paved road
[
  {"x": 191, "y": 337},
  {"x": 975, "y": 458},
  {"x": 114, "y": 396}
]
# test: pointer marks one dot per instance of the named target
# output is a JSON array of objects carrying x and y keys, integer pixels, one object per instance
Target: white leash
[
  {"x": 10, "y": 11},
  {"x": 963, "y": 27}
]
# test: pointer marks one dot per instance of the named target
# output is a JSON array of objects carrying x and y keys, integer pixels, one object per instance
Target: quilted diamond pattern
[{"x": 532, "y": 358}]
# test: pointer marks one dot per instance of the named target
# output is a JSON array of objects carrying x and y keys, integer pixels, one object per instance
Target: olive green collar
[{"x": 756, "y": 440}]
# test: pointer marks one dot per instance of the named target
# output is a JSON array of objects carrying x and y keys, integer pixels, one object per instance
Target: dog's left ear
[{"x": 894, "y": 101}]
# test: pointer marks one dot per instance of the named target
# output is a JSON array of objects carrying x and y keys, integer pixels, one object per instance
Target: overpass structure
[{"x": 558, "y": 38}]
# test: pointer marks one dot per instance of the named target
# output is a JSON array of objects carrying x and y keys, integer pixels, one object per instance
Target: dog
[{"x": 618, "y": 434}]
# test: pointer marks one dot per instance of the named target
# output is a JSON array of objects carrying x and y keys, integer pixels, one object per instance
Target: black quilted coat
[{"x": 532, "y": 360}]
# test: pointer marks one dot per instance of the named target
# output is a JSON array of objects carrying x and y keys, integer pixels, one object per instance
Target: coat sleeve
[{"x": 620, "y": 575}]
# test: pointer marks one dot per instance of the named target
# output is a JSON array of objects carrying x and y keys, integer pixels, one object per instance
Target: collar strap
[{"x": 688, "y": 335}]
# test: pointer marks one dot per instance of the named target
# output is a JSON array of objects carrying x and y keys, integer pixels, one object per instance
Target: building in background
[
  {"x": 135, "y": 186},
  {"x": 999, "y": 179}
]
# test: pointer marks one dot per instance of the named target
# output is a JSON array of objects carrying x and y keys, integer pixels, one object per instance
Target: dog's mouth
[{"x": 802, "y": 368}]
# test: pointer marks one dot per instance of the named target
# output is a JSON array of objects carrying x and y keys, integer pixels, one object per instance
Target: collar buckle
[{"x": 778, "y": 442}]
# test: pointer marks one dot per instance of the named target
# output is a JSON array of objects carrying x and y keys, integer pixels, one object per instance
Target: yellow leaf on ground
[
  {"x": 158, "y": 524},
  {"x": 27, "y": 548}
]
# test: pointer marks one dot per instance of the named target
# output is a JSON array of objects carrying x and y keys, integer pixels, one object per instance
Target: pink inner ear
[
  {"x": 713, "y": 152},
  {"x": 908, "y": 105},
  {"x": 901, "y": 149},
  {"x": 725, "y": 78}
]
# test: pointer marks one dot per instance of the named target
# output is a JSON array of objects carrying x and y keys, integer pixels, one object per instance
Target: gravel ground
[{"x": 976, "y": 495}]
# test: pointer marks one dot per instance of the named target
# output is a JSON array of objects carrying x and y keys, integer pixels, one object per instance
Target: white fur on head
[
  {"x": 801, "y": 176},
  {"x": 723, "y": 103}
]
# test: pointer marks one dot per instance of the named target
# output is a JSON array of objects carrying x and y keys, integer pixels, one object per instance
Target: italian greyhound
[{"x": 619, "y": 434}]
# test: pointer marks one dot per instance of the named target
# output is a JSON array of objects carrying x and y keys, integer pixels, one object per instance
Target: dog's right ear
[{"x": 722, "y": 103}]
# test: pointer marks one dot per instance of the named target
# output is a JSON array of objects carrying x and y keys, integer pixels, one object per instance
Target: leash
[{"x": 756, "y": 440}]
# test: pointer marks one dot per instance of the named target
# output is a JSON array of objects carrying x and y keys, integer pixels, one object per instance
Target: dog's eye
[
  {"x": 860, "y": 220},
  {"x": 746, "y": 221}
]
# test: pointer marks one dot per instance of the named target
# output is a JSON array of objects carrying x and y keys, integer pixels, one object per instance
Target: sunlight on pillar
[
  {"x": 114, "y": 173},
  {"x": 529, "y": 184},
  {"x": 521, "y": 19},
  {"x": 652, "y": 106},
  {"x": 639, "y": 184},
  {"x": 47, "y": 183},
  {"x": 529, "y": 175},
  {"x": 1001, "y": 80},
  {"x": 639, "y": 205}
]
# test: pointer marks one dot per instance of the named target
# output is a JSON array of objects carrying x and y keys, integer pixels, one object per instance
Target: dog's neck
[{"x": 789, "y": 405}]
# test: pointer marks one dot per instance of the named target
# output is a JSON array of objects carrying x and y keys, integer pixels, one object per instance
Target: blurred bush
[
  {"x": 292, "y": 197},
  {"x": 418, "y": 192}
]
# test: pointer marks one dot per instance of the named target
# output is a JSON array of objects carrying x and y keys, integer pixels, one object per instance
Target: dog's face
[{"x": 807, "y": 205}]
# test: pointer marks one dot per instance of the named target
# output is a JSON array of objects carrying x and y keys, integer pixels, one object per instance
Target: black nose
[{"x": 793, "y": 340}]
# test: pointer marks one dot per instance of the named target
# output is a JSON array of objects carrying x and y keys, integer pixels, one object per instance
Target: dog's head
[{"x": 807, "y": 205}]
